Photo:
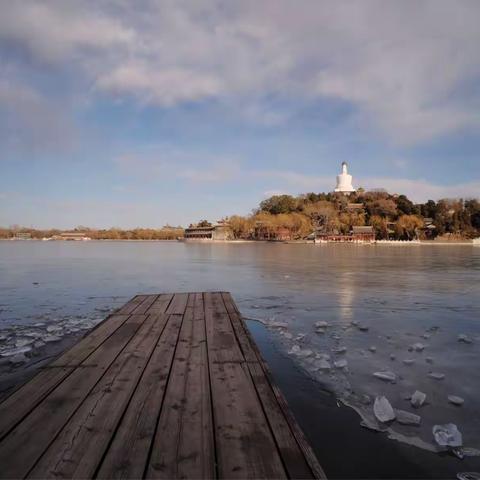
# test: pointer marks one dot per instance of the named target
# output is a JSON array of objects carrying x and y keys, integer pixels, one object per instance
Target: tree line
[{"x": 165, "y": 233}]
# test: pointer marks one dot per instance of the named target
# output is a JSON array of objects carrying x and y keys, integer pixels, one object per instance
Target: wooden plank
[
  {"x": 222, "y": 343},
  {"x": 184, "y": 444},
  {"x": 290, "y": 451},
  {"x": 79, "y": 352},
  {"x": 145, "y": 305},
  {"x": 160, "y": 305},
  {"x": 245, "y": 447},
  {"x": 131, "y": 305},
  {"x": 24, "y": 445},
  {"x": 178, "y": 304},
  {"x": 77, "y": 451},
  {"x": 292, "y": 455},
  {"x": 22, "y": 401},
  {"x": 244, "y": 444},
  {"x": 128, "y": 453},
  {"x": 245, "y": 344},
  {"x": 298, "y": 434}
]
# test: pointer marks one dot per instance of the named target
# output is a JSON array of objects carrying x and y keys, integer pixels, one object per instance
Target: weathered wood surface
[{"x": 170, "y": 386}]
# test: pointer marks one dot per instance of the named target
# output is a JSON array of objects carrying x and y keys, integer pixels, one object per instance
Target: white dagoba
[{"x": 344, "y": 181}]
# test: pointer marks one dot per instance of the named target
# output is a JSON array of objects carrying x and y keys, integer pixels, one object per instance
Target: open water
[{"x": 411, "y": 311}]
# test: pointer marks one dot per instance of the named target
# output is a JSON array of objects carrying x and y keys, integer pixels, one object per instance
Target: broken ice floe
[
  {"x": 16, "y": 351},
  {"x": 470, "y": 452},
  {"x": 407, "y": 418},
  {"x": 468, "y": 476},
  {"x": 51, "y": 338},
  {"x": 464, "y": 338},
  {"x": 22, "y": 342},
  {"x": 54, "y": 328},
  {"x": 342, "y": 343},
  {"x": 323, "y": 364},
  {"x": 456, "y": 400},
  {"x": 447, "y": 435},
  {"x": 418, "y": 347},
  {"x": 300, "y": 352},
  {"x": 418, "y": 399},
  {"x": 383, "y": 410},
  {"x": 341, "y": 363},
  {"x": 386, "y": 376}
]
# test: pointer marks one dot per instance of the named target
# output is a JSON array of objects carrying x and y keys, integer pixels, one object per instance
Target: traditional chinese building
[{"x": 219, "y": 232}]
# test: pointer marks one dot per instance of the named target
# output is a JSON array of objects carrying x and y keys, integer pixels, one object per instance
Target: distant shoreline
[{"x": 396, "y": 243}]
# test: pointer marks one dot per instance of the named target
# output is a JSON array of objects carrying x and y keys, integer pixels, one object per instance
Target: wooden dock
[{"x": 169, "y": 386}]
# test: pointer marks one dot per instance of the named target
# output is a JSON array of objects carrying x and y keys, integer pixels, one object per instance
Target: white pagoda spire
[{"x": 344, "y": 181}]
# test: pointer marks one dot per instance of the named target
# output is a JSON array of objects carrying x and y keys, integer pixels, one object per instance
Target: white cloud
[
  {"x": 404, "y": 67},
  {"x": 165, "y": 163},
  {"x": 54, "y": 31},
  {"x": 30, "y": 121}
]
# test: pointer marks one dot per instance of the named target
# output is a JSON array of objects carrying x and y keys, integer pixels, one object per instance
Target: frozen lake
[{"x": 406, "y": 311}]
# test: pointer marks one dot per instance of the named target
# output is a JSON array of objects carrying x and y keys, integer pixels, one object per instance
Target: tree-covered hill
[{"x": 392, "y": 216}]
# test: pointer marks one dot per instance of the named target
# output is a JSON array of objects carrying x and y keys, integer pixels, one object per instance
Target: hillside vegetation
[{"x": 392, "y": 216}]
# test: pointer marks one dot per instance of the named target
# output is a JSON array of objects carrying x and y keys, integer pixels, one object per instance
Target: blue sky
[{"x": 117, "y": 113}]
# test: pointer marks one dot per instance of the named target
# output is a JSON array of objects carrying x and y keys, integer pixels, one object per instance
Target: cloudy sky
[{"x": 121, "y": 113}]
